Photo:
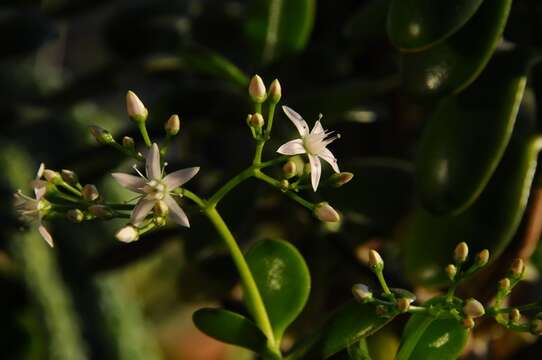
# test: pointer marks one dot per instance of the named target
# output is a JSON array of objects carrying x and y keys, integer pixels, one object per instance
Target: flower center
[
  {"x": 155, "y": 190},
  {"x": 314, "y": 143}
]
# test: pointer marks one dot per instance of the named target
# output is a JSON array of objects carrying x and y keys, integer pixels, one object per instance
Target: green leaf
[
  {"x": 348, "y": 325},
  {"x": 417, "y": 24},
  {"x": 452, "y": 65},
  {"x": 231, "y": 328},
  {"x": 491, "y": 222},
  {"x": 279, "y": 27},
  {"x": 283, "y": 279},
  {"x": 453, "y": 165},
  {"x": 426, "y": 337},
  {"x": 359, "y": 351}
]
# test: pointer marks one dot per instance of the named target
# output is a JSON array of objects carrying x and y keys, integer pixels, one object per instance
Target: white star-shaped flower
[
  {"x": 314, "y": 143},
  {"x": 33, "y": 209},
  {"x": 155, "y": 187}
]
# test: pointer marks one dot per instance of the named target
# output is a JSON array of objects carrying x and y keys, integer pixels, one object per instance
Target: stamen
[
  {"x": 164, "y": 168},
  {"x": 320, "y": 116},
  {"x": 24, "y": 196},
  {"x": 139, "y": 172}
]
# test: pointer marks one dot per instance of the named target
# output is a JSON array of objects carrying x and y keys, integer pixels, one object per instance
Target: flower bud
[
  {"x": 536, "y": 327},
  {"x": 468, "y": 323},
  {"x": 375, "y": 260},
  {"x": 256, "y": 89},
  {"x": 275, "y": 91},
  {"x": 451, "y": 271},
  {"x": 289, "y": 169},
  {"x": 90, "y": 192},
  {"x": 338, "y": 180},
  {"x": 403, "y": 304},
  {"x": 101, "y": 211},
  {"x": 515, "y": 315},
  {"x": 473, "y": 308},
  {"x": 128, "y": 142},
  {"x": 127, "y": 234},
  {"x": 504, "y": 284},
  {"x": 160, "y": 220},
  {"x": 53, "y": 176},
  {"x": 482, "y": 257},
  {"x": 136, "y": 110},
  {"x": 173, "y": 125},
  {"x": 161, "y": 208},
  {"x": 69, "y": 176},
  {"x": 324, "y": 212},
  {"x": 256, "y": 121},
  {"x": 362, "y": 293},
  {"x": 102, "y": 136},
  {"x": 461, "y": 252},
  {"x": 403, "y": 293},
  {"x": 75, "y": 215},
  {"x": 517, "y": 268},
  {"x": 284, "y": 185}
]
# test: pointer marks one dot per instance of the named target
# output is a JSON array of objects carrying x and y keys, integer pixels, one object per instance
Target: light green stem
[
  {"x": 382, "y": 281},
  {"x": 270, "y": 116},
  {"x": 144, "y": 133},
  {"x": 292, "y": 195}
]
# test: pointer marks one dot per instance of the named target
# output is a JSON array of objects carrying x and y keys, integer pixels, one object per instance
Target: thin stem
[
  {"x": 227, "y": 187},
  {"x": 195, "y": 198},
  {"x": 258, "y": 153},
  {"x": 292, "y": 195},
  {"x": 70, "y": 188},
  {"x": 270, "y": 116},
  {"x": 127, "y": 152},
  {"x": 275, "y": 161},
  {"x": 258, "y": 108},
  {"x": 120, "y": 206},
  {"x": 144, "y": 133},
  {"x": 254, "y": 299},
  {"x": 380, "y": 276},
  {"x": 67, "y": 197}
]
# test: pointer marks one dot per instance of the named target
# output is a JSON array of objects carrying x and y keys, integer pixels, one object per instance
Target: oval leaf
[
  {"x": 452, "y": 65},
  {"x": 231, "y": 328},
  {"x": 278, "y": 27},
  {"x": 416, "y": 24},
  {"x": 283, "y": 279},
  {"x": 453, "y": 165}
]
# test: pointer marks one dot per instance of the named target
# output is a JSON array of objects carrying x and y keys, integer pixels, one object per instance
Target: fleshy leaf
[{"x": 283, "y": 279}]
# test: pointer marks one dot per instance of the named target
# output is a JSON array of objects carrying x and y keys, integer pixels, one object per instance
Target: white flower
[
  {"x": 33, "y": 209},
  {"x": 155, "y": 187},
  {"x": 313, "y": 143},
  {"x": 127, "y": 234}
]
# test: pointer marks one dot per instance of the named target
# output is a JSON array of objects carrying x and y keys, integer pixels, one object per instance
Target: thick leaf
[
  {"x": 231, "y": 328},
  {"x": 491, "y": 222},
  {"x": 283, "y": 279},
  {"x": 359, "y": 351},
  {"x": 428, "y": 338},
  {"x": 454, "y": 164},
  {"x": 453, "y": 64},
  {"x": 348, "y": 325},
  {"x": 279, "y": 27},
  {"x": 416, "y": 24}
]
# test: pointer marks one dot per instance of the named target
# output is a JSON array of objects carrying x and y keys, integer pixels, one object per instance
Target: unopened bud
[
  {"x": 90, "y": 192},
  {"x": 173, "y": 125},
  {"x": 451, "y": 271},
  {"x": 536, "y": 327},
  {"x": 403, "y": 293},
  {"x": 517, "y": 268},
  {"x": 160, "y": 220},
  {"x": 482, "y": 257},
  {"x": 375, "y": 260},
  {"x": 256, "y": 121},
  {"x": 338, "y": 180},
  {"x": 256, "y": 89},
  {"x": 136, "y": 110},
  {"x": 128, "y": 142},
  {"x": 515, "y": 315},
  {"x": 473, "y": 308},
  {"x": 127, "y": 234},
  {"x": 161, "y": 208},
  {"x": 69, "y": 176},
  {"x": 468, "y": 323},
  {"x": 275, "y": 91},
  {"x": 504, "y": 284},
  {"x": 362, "y": 293},
  {"x": 403, "y": 304},
  {"x": 324, "y": 212},
  {"x": 75, "y": 215},
  {"x": 102, "y": 136},
  {"x": 101, "y": 211},
  {"x": 52, "y": 176},
  {"x": 284, "y": 185},
  {"x": 461, "y": 252},
  {"x": 289, "y": 169}
]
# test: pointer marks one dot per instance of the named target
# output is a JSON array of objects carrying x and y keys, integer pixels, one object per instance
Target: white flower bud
[
  {"x": 473, "y": 308},
  {"x": 136, "y": 110},
  {"x": 468, "y": 323},
  {"x": 375, "y": 260},
  {"x": 173, "y": 125},
  {"x": 324, "y": 212},
  {"x": 90, "y": 192},
  {"x": 256, "y": 89},
  {"x": 128, "y": 142},
  {"x": 127, "y": 234},
  {"x": 289, "y": 169},
  {"x": 75, "y": 215},
  {"x": 362, "y": 293},
  {"x": 52, "y": 176},
  {"x": 451, "y": 271},
  {"x": 517, "y": 268},
  {"x": 338, "y": 180},
  {"x": 69, "y": 176},
  {"x": 504, "y": 284},
  {"x": 256, "y": 121},
  {"x": 275, "y": 91},
  {"x": 403, "y": 304},
  {"x": 102, "y": 136},
  {"x": 461, "y": 252},
  {"x": 100, "y": 211},
  {"x": 482, "y": 257},
  {"x": 515, "y": 315}
]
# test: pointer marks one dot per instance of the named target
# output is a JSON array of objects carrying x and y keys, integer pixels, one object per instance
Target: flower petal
[
  {"x": 152, "y": 163},
  {"x": 317, "y": 128},
  {"x": 298, "y": 121},
  {"x": 40, "y": 171},
  {"x": 316, "y": 170},
  {"x": 142, "y": 208},
  {"x": 331, "y": 160},
  {"x": 40, "y": 188},
  {"x": 293, "y": 147},
  {"x": 175, "y": 212},
  {"x": 45, "y": 235},
  {"x": 131, "y": 182},
  {"x": 180, "y": 177}
]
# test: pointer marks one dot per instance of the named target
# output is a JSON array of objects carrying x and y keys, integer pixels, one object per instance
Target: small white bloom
[
  {"x": 313, "y": 143},
  {"x": 33, "y": 209},
  {"x": 127, "y": 234},
  {"x": 155, "y": 187},
  {"x": 135, "y": 107}
]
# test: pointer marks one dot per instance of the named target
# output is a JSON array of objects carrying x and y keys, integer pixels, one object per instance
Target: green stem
[
  {"x": 380, "y": 276},
  {"x": 270, "y": 116},
  {"x": 292, "y": 195},
  {"x": 258, "y": 153},
  {"x": 144, "y": 133},
  {"x": 70, "y": 188},
  {"x": 232, "y": 183},
  {"x": 120, "y": 206}
]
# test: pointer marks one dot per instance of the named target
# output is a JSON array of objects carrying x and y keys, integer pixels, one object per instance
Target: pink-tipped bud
[
  {"x": 451, "y": 271},
  {"x": 375, "y": 260},
  {"x": 256, "y": 89},
  {"x": 275, "y": 91},
  {"x": 173, "y": 125},
  {"x": 90, "y": 192},
  {"x": 482, "y": 257},
  {"x": 52, "y": 176},
  {"x": 324, "y": 212},
  {"x": 136, "y": 110},
  {"x": 338, "y": 180},
  {"x": 518, "y": 267},
  {"x": 473, "y": 308},
  {"x": 289, "y": 169},
  {"x": 127, "y": 234},
  {"x": 362, "y": 293},
  {"x": 515, "y": 315},
  {"x": 69, "y": 176},
  {"x": 256, "y": 121},
  {"x": 461, "y": 252}
]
